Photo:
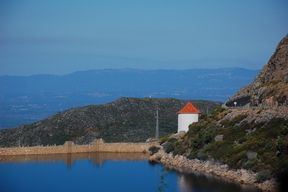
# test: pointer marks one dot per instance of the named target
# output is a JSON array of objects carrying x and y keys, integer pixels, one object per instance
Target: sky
[{"x": 63, "y": 36}]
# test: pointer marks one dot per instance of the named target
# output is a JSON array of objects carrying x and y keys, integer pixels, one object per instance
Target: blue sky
[{"x": 64, "y": 36}]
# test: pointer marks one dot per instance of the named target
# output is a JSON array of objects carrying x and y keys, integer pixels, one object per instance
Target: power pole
[{"x": 157, "y": 124}]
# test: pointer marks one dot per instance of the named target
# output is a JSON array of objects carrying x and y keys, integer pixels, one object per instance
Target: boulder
[{"x": 219, "y": 138}]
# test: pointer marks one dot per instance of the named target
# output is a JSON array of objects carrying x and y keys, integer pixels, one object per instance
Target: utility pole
[{"x": 157, "y": 124}]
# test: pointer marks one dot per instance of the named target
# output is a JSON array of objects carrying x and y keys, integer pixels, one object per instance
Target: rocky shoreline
[{"x": 242, "y": 176}]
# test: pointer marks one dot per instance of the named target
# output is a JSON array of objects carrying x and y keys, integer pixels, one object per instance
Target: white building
[{"x": 186, "y": 116}]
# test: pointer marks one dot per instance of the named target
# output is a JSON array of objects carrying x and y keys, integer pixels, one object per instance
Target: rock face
[{"x": 270, "y": 86}]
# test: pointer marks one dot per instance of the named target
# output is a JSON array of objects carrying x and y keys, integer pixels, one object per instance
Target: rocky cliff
[
  {"x": 124, "y": 120},
  {"x": 270, "y": 86}
]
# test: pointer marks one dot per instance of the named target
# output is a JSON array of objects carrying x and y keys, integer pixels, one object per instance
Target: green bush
[
  {"x": 192, "y": 155},
  {"x": 198, "y": 155},
  {"x": 168, "y": 147},
  {"x": 234, "y": 160},
  {"x": 202, "y": 156},
  {"x": 203, "y": 116},
  {"x": 235, "y": 120},
  {"x": 249, "y": 164},
  {"x": 208, "y": 137},
  {"x": 196, "y": 143},
  {"x": 163, "y": 140},
  {"x": 242, "y": 140},
  {"x": 284, "y": 128},
  {"x": 217, "y": 111},
  {"x": 262, "y": 142},
  {"x": 209, "y": 147},
  {"x": 282, "y": 146},
  {"x": 254, "y": 165},
  {"x": 153, "y": 149},
  {"x": 172, "y": 140},
  {"x": 194, "y": 129},
  {"x": 177, "y": 152},
  {"x": 270, "y": 146},
  {"x": 263, "y": 175}
]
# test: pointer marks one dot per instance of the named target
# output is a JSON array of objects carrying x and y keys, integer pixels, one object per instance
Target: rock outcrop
[{"x": 270, "y": 86}]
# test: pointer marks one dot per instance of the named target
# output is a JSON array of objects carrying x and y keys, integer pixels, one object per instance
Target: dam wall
[{"x": 97, "y": 145}]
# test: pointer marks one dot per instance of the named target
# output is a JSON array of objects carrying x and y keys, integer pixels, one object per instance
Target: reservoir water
[{"x": 102, "y": 172}]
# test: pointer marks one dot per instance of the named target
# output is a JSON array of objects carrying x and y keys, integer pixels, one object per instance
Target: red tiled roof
[{"x": 189, "y": 108}]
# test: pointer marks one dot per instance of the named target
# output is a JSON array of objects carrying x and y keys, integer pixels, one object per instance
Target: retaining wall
[{"x": 70, "y": 147}]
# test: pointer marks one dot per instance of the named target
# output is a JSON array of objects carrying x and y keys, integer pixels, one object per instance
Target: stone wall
[{"x": 69, "y": 147}]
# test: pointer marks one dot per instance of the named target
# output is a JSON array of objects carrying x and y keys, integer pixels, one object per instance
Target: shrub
[
  {"x": 194, "y": 129},
  {"x": 192, "y": 155},
  {"x": 263, "y": 175},
  {"x": 196, "y": 143},
  {"x": 177, "y": 152},
  {"x": 203, "y": 116},
  {"x": 208, "y": 136},
  {"x": 281, "y": 145},
  {"x": 217, "y": 111},
  {"x": 225, "y": 122},
  {"x": 172, "y": 140},
  {"x": 242, "y": 140},
  {"x": 284, "y": 128},
  {"x": 237, "y": 119},
  {"x": 209, "y": 147},
  {"x": 270, "y": 146},
  {"x": 163, "y": 140},
  {"x": 249, "y": 164},
  {"x": 168, "y": 147},
  {"x": 153, "y": 149},
  {"x": 235, "y": 159},
  {"x": 202, "y": 156},
  {"x": 179, "y": 144},
  {"x": 262, "y": 142}
]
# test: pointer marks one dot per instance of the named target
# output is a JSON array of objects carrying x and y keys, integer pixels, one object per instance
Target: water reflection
[
  {"x": 69, "y": 159},
  {"x": 94, "y": 171},
  {"x": 195, "y": 181}
]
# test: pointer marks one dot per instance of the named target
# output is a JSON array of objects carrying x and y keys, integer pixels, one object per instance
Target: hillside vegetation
[
  {"x": 124, "y": 120},
  {"x": 240, "y": 138}
]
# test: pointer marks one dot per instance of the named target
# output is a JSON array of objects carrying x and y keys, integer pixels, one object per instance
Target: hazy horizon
[
  {"x": 62, "y": 37},
  {"x": 128, "y": 68}
]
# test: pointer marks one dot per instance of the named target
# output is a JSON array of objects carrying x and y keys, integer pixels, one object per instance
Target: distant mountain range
[{"x": 29, "y": 99}]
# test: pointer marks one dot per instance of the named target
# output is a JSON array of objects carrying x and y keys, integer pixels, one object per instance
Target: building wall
[{"x": 185, "y": 119}]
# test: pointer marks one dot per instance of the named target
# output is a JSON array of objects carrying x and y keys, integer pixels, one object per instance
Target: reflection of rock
[
  {"x": 99, "y": 158},
  {"x": 185, "y": 185}
]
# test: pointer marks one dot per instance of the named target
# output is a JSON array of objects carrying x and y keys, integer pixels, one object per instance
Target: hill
[
  {"x": 270, "y": 86},
  {"x": 254, "y": 137},
  {"x": 124, "y": 120},
  {"x": 24, "y": 100}
]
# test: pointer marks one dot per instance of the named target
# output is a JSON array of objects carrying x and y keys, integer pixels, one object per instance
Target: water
[{"x": 103, "y": 172}]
